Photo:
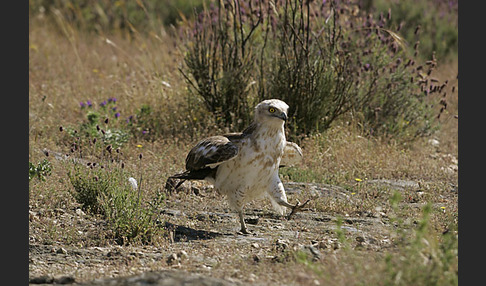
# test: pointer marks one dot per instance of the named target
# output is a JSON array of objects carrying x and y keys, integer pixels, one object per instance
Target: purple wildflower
[
  {"x": 144, "y": 132},
  {"x": 103, "y": 103},
  {"x": 82, "y": 104},
  {"x": 117, "y": 114},
  {"x": 88, "y": 103}
]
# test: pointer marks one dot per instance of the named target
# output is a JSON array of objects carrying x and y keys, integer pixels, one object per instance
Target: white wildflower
[{"x": 133, "y": 182}]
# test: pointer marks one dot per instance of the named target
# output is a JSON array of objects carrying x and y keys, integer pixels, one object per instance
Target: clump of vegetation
[
  {"x": 90, "y": 186},
  {"x": 434, "y": 23},
  {"x": 40, "y": 171},
  {"x": 325, "y": 60},
  {"x": 119, "y": 16},
  {"x": 425, "y": 257},
  {"x": 219, "y": 61},
  {"x": 103, "y": 187},
  {"x": 103, "y": 123}
]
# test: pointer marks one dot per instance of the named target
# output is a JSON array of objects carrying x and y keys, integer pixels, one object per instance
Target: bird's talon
[
  {"x": 297, "y": 207},
  {"x": 244, "y": 232}
]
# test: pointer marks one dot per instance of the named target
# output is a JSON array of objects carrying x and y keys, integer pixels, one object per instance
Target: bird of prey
[{"x": 244, "y": 166}]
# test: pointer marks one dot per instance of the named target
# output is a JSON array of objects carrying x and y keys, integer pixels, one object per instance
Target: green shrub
[
  {"x": 101, "y": 186},
  {"x": 89, "y": 186},
  {"x": 219, "y": 60},
  {"x": 105, "y": 190},
  {"x": 130, "y": 218},
  {"x": 325, "y": 60},
  {"x": 40, "y": 171}
]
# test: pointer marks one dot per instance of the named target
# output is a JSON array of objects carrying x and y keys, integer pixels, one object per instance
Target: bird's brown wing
[{"x": 211, "y": 152}]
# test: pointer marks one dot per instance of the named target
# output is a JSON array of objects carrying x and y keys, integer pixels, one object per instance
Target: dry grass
[{"x": 68, "y": 67}]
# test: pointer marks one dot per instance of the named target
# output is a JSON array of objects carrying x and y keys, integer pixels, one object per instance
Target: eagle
[{"x": 244, "y": 166}]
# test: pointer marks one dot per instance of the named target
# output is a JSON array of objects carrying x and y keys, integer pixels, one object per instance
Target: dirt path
[{"x": 204, "y": 248}]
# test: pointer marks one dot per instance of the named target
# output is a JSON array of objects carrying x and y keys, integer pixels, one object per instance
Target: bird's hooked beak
[{"x": 283, "y": 116}]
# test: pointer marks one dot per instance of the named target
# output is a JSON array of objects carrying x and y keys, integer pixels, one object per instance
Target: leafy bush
[
  {"x": 107, "y": 191},
  {"x": 130, "y": 218},
  {"x": 102, "y": 187},
  {"x": 324, "y": 60},
  {"x": 89, "y": 186},
  {"x": 219, "y": 62}
]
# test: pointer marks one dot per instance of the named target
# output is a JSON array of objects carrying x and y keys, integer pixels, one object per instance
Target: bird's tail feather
[
  {"x": 169, "y": 185},
  {"x": 186, "y": 175}
]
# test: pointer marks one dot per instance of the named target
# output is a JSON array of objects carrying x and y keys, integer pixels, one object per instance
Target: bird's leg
[
  {"x": 277, "y": 193},
  {"x": 296, "y": 208},
  {"x": 243, "y": 230}
]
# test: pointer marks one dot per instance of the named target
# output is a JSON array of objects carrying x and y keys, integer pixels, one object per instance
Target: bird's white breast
[{"x": 250, "y": 173}]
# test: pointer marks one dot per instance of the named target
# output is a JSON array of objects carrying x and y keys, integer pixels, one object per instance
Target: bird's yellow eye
[{"x": 271, "y": 110}]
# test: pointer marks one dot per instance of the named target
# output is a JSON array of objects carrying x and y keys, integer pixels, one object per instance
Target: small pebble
[{"x": 61, "y": 250}]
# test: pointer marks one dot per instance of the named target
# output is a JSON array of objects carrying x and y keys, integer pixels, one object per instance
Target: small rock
[
  {"x": 41, "y": 280},
  {"x": 255, "y": 245},
  {"x": 256, "y": 258},
  {"x": 252, "y": 278},
  {"x": 253, "y": 221},
  {"x": 201, "y": 217},
  {"x": 453, "y": 167},
  {"x": 172, "y": 259},
  {"x": 282, "y": 244},
  {"x": 316, "y": 254},
  {"x": 322, "y": 245},
  {"x": 80, "y": 212},
  {"x": 61, "y": 250},
  {"x": 64, "y": 280},
  {"x": 113, "y": 253},
  {"x": 33, "y": 216},
  {"x": 434, "y": 142},
  {"x": 182, "y": 254},
  {"x": 336, "y": 245}
]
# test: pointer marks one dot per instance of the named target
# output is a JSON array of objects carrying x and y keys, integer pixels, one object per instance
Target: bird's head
[{"x": 273, "y": 111}]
